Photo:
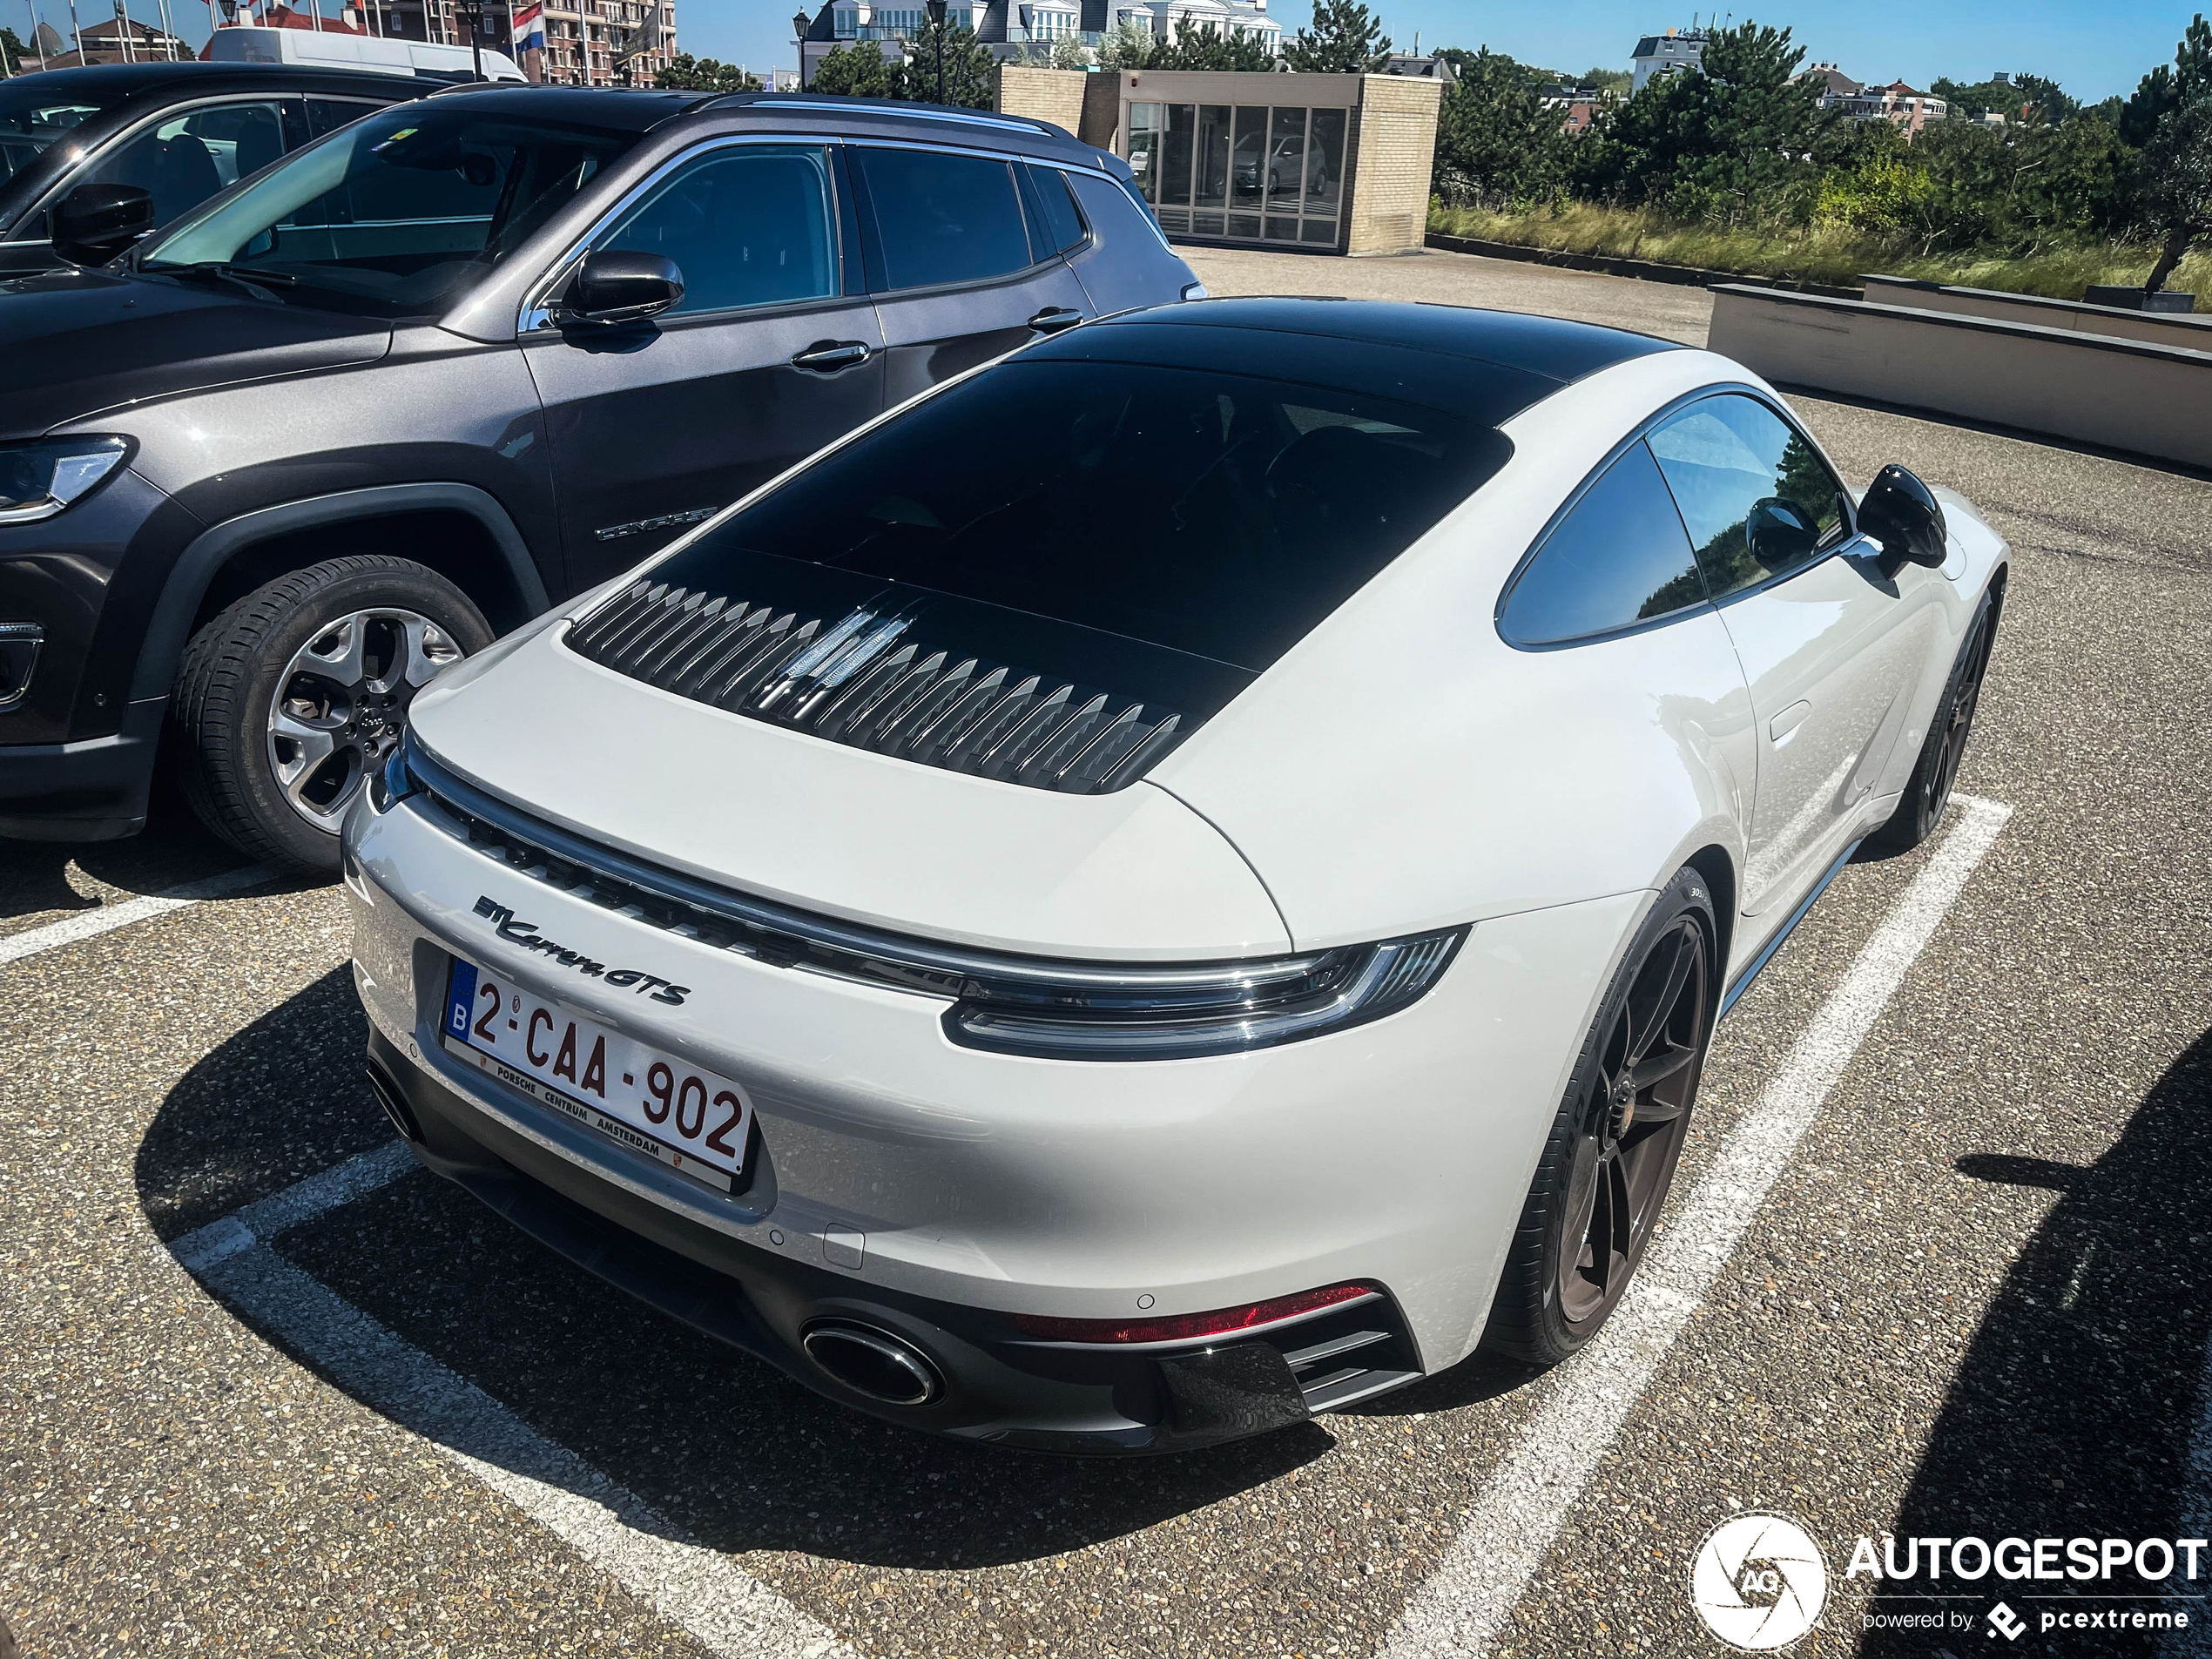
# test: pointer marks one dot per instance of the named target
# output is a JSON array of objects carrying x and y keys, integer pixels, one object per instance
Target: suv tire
[{"x": 286, "y": 700}]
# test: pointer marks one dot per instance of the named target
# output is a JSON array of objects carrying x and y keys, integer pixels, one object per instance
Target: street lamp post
[
  {"x": 936, "y": 8},
  {"x": 799, "y": 22},
  {"x": 473, "y": 10}
]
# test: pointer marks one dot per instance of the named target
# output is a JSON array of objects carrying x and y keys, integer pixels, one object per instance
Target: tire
[
  {"x": 287, "y": 699},
  {"x": 1613, "y": 1144},
  {"x": 1928, "y": 792}
]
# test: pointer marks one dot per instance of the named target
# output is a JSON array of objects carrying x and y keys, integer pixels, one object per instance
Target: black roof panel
[{"x": 1548, "y": 346}]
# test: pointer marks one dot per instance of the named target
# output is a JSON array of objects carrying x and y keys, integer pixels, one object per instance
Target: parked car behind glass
[{"x": 466, "y": 357}]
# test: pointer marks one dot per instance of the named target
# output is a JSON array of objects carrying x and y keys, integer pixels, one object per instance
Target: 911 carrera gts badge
[{"x": 525, "y": 934}]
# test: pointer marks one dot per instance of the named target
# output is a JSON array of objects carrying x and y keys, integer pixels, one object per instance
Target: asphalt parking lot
[{"x": 1953, "y": 1143}]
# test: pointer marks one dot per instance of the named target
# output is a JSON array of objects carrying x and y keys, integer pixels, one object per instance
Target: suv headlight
[
  {"x": 38, "y": 479},
  {"x": 1178, "y": 1014}
]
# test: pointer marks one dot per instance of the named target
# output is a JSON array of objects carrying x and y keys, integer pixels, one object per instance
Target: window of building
[
  {"x": 1245, "y": 172},
  {"x": 942, "y": 218},
  {"x": 1758, "y": 500},
  {"x": 1618, "y": 558}
]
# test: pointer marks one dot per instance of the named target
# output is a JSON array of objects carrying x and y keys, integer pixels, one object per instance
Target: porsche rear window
[{"x": 1216, "y": 515}]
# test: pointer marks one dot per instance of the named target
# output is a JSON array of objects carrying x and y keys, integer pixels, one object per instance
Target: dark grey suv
[{"x": 470, "y": 355}]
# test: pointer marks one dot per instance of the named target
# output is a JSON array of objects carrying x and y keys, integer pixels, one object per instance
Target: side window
[
  {"x": 944, "y": 218},
  {"x": 1618, "y": 558},
  {"x": 1062, "y": 224},
  {"x": 183, "y": 160},
  {"x": 328, "y": 114},
  {"x": 1758, "y": 498},
  {"x": 750, "y": 226}
]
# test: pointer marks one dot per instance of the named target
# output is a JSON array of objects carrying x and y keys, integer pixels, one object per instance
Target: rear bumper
[
  {"x": 998, "y": 1385},
  {"x": 90, "y": 791}
]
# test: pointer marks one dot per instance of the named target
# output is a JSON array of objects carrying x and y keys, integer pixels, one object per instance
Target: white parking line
[
  {"x": 90, "y": 924},
  {"x": 730, "y": 1612},
  {"x": 1522, "y": 1505}
]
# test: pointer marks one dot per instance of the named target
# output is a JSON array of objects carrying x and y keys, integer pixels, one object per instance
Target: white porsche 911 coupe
[{"x": 1176, "y": 882}]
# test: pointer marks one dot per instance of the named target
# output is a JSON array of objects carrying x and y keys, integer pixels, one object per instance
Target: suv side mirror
[
  {"x": 619, "y": 287},
  {"x": 1902, "y": 514},
  {"x": 94, "y": 223}
]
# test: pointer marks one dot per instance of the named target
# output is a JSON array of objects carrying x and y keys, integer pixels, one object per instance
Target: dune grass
[{"x": 1826, "y": 253}]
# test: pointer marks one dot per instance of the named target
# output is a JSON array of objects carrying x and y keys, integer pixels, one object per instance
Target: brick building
[{"x": 588, "y": 43}]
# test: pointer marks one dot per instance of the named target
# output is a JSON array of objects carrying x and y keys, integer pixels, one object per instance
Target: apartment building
[{"x": 588, "y": 43}]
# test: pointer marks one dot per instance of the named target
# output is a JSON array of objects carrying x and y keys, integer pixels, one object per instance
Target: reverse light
[
  {"x": 1178, "y": 1014},
  {"x": 38, "y": 479},
  {"x": 1188, "y": 1327}
]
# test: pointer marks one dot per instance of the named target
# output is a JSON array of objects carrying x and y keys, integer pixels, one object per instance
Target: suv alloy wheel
[{"x": 289, "y": 698}]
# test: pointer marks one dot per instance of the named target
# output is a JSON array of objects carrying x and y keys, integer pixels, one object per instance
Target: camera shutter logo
[{"x": 1758, "y": 1582}]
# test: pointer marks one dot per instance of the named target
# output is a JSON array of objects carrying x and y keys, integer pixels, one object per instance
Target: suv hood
[
  {"x": 75, "y": 342},
  {"x": 1132, "y": 876}
]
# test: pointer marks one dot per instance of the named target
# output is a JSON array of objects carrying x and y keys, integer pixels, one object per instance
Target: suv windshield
[
  {"x": 397, "y": 215},
  {"x": 28, "y": 122}
]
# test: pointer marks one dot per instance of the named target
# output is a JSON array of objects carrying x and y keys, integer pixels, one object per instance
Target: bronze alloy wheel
[
  {"x": 1616, "y": 1136},
  {"x": 1632, "y": 1123}
]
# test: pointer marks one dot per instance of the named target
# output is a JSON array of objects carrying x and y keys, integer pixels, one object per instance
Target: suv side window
[
  {"x": 942, "y": 218},
  {"x": 754, "y": 225},
  {"x": 1618, "y": 558},
  {"x": 1060, "y": 227},
  {"x": 187, "y": 157},
  {"x": 1758, "y": 498}
]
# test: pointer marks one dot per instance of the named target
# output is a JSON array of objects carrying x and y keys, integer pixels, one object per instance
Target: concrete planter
[{"x": 2127, "y": 299}]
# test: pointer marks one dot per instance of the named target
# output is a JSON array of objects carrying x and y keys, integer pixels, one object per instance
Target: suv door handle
[
  {"x": 1053, "y": 318},
  {"x": 827, "y": 356}
]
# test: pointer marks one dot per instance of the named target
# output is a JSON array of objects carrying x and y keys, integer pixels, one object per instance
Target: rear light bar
[{"x": 1186, "y": 1327}]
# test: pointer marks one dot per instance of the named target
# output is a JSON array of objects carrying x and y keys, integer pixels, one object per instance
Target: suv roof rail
[{"x": 885, "y": 106}]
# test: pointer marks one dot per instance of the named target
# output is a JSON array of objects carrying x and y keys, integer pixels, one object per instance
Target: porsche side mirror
[
  {"x": 1902, "y": 514},
  {"x": 94, "y": 223},
  {"x": 619, "y": 287}
]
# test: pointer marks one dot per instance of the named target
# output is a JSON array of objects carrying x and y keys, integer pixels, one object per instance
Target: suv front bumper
[{"x": 93, "y": 790}]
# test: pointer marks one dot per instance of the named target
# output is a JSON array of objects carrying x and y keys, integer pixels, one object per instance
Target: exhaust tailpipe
[
  {"x": 386, "y": 1087},
  {"x": 873, "y": 1362}
]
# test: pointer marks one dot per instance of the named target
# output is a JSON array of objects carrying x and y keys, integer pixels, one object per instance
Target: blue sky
[{"x": 2089, "y": 50}]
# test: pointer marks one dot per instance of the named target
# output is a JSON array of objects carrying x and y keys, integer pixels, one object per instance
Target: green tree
[
  {"x": 11, "y": 50},
  {"x": 2176, "y": 183},
  {"x": 1497, "y": 145},
  {"x": 969, "y": 71},
  {"x": 1345, "y": 39},
  {"x": 685, "y": 73},
  {"x": 1615, "y": 81},
  {"x": 1737, "y": 137},
  {"x": 2164, "y": 89},
  {"x": 1128, "y": 45},
  {"x": 1195, "y": 47},
  {"x": 858, "y": 70}
]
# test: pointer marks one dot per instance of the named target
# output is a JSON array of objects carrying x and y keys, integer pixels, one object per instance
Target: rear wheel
[
  {"x": 288, "y": 700},
  {"x": 1929, "y": 793},
  {"x": 1613, "y": 1147}
]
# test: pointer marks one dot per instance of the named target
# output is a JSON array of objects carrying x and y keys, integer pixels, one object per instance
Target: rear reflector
[{"x": 1185, "y": 1327}]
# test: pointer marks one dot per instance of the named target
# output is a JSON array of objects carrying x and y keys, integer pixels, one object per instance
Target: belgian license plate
[{"x": 673, "y": 1112}]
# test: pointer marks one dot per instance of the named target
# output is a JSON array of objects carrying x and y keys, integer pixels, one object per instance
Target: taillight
[{"x": 1188, "y": 1327}]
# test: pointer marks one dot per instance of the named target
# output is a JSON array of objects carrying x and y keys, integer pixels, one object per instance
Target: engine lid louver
[{"x": 865, "y": 679}]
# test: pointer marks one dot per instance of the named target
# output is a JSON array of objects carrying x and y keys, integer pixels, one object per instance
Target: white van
[{"x": 333, "y": 48}]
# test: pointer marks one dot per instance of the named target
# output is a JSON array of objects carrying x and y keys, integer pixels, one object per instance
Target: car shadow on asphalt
[
  {"x": 724, "y": 1446},
  {"x": 2072, "y": 1415},
  {"x": 173, "y": 849}
]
